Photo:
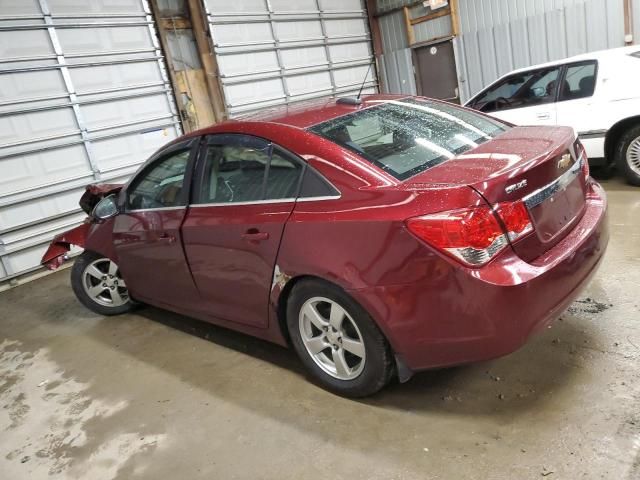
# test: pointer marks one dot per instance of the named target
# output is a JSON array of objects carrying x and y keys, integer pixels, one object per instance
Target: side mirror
[{"x": 106, "y": 208}]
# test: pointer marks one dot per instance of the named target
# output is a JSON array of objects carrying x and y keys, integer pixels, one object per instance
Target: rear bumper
[{"x": 458, "y": 315}]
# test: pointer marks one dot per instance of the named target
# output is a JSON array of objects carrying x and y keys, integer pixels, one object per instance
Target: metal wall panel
[
  {"x": 498, "y": 36},
  {"x": 393, "y": 32},
  {"x": 83, "y": 98},
  {"x": 273, "y": 52}
]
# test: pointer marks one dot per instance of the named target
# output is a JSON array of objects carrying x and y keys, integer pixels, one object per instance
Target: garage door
[
  {"x": 272, "y": 52},
  {"x": 83, "y": 98}
]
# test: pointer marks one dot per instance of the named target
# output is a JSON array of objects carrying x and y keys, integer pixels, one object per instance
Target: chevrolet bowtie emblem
[{"x": 564, "y": 161}]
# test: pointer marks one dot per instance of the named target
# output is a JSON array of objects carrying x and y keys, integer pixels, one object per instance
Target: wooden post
[
  {"x": 455, "y": 18},
  {"x": 376, "y": 37},
  {"x": 207, "y": 57},
  {"x": 411, "y": 37}
]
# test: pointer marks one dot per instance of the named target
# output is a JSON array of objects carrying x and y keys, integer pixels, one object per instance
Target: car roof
[
  {"x": 307, "y": 113},
  {"x": 599, "y": 55}
]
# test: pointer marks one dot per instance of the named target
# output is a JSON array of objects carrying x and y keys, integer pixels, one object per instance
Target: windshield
[{"x": 408, "y": 136}]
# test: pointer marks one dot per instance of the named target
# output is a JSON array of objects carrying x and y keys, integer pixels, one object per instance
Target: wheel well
[
  {"x": 614, "y": 134},
  {"x": 283, "y": 300}
]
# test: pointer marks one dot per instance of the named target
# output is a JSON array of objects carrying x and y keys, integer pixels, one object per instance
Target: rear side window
[
  {"x": 408, "y": 136},
  {"x": 579, "y": 81}
]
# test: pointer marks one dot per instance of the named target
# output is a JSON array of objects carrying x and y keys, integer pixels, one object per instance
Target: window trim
[
  {"x": 566, "y": 67},
  {"x": 189, "y": 144},
  {"x": 200, "y": 169}
]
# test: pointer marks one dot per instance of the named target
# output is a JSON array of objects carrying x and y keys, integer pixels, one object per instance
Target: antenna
[
  {"x": 364, "y": 81},
  {"x": 355, "y": 100}
]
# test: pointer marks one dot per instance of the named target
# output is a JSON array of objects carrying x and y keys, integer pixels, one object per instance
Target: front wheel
[
  {"x": 97, "y": 283},
  {"x": 337, "y": 340},
  {"x": 628, "y": 155}
]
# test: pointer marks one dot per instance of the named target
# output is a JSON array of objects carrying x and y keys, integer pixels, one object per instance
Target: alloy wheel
[
  {"x": 332, "y": 338},
  {"x": 103, "y": 284},
  {"x": 633, "y": 156}
]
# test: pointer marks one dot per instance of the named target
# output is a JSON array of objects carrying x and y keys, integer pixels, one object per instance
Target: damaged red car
[{"x": 376, "y": 236}]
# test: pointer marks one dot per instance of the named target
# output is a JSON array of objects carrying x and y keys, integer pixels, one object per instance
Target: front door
[
  {"x": 436, "y": 71},
  {"x": 147, "y": 235},
  {"x": 525, "y": 98},
  {"x": 244, "y": 193}
]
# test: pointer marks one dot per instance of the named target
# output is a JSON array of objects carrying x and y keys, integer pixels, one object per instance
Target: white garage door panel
[
  {"x": 75, "y": 40},
  {"x": 21, "y": 127},
  {"x": 12, "y": 216},
  {"x": 85, "y": 100},
  {"x": 24, "y": 43},
  {"x": 19, "y": 87},
  {"x": 129, "y": 150},
  {"x": 248, "y": 63},
  {"x": 274, "y": 52},
  {"x": 95, "y": 78},
  {"x": 95, "y": 6},
  {"x": 26, "y": 172},
  {"x": 303, "y": 57}
]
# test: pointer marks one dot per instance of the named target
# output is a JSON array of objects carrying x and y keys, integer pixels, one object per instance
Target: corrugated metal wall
[
  {"x": 498, "y": 36},
  {"x": 83, "y": 98},
  {"x": 396, "y": 62},
  {"x": 396, "y": 67},
  {"x": 273, "y": 52}
]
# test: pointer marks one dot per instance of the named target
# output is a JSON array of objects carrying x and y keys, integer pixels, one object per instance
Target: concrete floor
[{"x": 153, "y": 395}]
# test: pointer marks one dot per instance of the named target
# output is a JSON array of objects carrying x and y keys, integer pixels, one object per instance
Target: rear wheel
[
  {"x": 628, "y": 155},
  {"x": 337, "y": 340},
  {"x": 97, "y": 283}
]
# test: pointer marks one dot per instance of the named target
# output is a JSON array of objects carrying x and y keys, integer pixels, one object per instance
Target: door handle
[
  {"x": 165, "y": 237},
  {"x": 543, "y": 116},
  {"x": 253, "y": 234}
]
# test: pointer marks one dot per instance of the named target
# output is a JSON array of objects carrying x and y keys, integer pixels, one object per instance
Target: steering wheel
[{"x": 502, "y": 102}]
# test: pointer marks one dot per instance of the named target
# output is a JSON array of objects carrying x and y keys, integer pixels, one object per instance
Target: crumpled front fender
[{"x": 56, "y": 254}]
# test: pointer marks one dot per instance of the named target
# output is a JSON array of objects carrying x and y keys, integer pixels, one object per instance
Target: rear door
[
  {"x": 245, "y": 191},
  {"x": 147, "y": 235},
  {"x": 525, "y": 98},
  {"x": 576, "y": 99}
]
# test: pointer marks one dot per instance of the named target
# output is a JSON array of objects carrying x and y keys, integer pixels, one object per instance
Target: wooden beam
[
  {"x": 376, "y": 38},
  {"x": 174, "y": 23},
  {"x": 425, "y": 18},
  {"x": 208, "y": 58},
  {"x": 411, "y": 36},
  {"x": 455, "y": 17},
  {"x": 162, "y": 35}
]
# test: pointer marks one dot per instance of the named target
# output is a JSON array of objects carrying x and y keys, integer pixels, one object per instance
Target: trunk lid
[{"x": 538, "y": 165}]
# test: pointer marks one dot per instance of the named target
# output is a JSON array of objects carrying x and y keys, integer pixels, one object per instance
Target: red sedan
[{"x": 377, "y": 237}]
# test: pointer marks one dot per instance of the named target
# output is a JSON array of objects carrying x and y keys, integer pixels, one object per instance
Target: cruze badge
[
  {"x": 516, "y": 186},
  {"x": 564, "y": 161}
]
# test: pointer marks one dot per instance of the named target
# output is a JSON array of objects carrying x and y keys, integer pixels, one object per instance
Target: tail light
[
  {"x": 473, "y": 236},
  {"x": 581, "y": 154}
]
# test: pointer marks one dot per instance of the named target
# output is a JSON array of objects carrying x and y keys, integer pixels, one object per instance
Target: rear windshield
[{"x": 406, "y": 137}]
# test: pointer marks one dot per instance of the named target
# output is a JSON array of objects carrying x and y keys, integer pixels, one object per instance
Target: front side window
[
  {"x": 160, "y": 186},
  {"x": 408, "y": 136},
  {"x": 525, "y": 89},
  {"x": 241, "y": 168},
  {"x": 580, "y": 81}
]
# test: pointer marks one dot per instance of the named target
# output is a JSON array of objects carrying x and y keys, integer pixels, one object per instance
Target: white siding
[{"x": 83, "y": 99}]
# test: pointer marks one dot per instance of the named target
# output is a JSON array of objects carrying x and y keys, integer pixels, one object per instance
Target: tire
[
  {"x": 628, "y": 155},
  {"x": 92, "y": 270},
  {"x": 360, "y": 369}
]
